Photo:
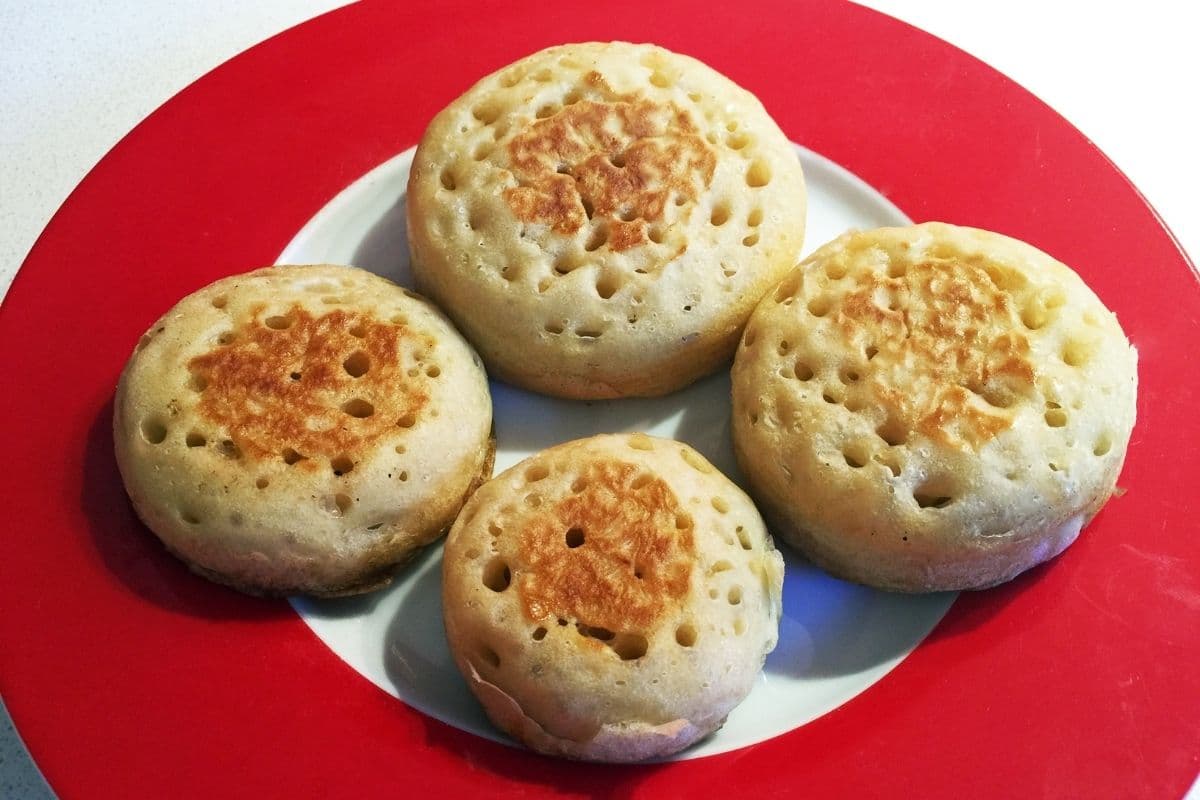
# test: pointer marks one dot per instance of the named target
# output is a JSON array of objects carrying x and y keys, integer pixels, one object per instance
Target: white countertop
[{"x": 76, "y": 76}]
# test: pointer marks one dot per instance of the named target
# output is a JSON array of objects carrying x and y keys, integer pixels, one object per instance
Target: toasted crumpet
[
  {"x": 932, "y": 407},
  {"x": 301, "y": 429},
  {"x": 611, "y": 598},
  {"x": 601, "y": 219}
]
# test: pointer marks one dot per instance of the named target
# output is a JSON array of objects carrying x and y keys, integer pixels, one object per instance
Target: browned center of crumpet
[
  {"x": 939, "y": 334},
  {"x": 299, "y": 386},
  {"x": 619, "y": 160},
  {"x": 613, "y": 555}
]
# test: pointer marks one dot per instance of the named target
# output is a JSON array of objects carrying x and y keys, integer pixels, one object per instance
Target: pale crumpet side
[
  {"x": 611, "y": 598},
  {"x": 932, "y": 407},
  {"x": 600, "y": 219},
  {"x": 301, "y": 429}
]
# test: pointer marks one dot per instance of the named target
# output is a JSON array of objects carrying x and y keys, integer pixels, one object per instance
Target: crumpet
[
  {"x": 932, "y": 407},
  {"x": 600, "y": 219},
  {"x": 301, "y": 429},
  {"x": 611, "y": 598}
]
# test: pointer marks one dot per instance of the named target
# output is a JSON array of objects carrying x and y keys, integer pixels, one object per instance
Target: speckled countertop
[{"x": 75, "y": 77}]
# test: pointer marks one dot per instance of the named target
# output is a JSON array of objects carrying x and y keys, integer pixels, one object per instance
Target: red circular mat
[{"x": 128, "y": 676}]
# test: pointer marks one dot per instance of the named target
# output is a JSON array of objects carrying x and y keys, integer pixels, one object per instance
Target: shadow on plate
[
  {"x": 384, "y": 249},
  {"x": 135, "y": 556}
]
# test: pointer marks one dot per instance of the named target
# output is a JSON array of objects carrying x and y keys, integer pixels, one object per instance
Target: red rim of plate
[{"x": 127, "y": 676}]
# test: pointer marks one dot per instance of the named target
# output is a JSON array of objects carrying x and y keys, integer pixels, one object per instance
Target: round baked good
[
  {"x": 931, "y": 407},
  {"x": 601, "y": 219},
  {"x": 611, "y": 598},
  {"x": 301, "y": 429}
]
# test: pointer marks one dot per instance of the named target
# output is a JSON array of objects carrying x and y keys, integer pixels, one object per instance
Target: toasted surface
[
  {"x": 611, "y": 598},
  {"x": 600, "y": 219},
  {"x": 301, "y": 429},
  {"x": 932, "y": 407}
]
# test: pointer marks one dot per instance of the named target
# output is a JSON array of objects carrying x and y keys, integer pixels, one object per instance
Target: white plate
[{"x": 836, "y": 638}]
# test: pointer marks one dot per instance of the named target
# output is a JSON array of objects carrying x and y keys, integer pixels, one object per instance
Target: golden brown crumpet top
[
  {"x": 269, "y": 383},
  {"x": 611, "y": 598},
  {"x": 638, "y": 560},
  {"x": 301, "y": 429},
  {"x": 600, "y": 219},
  {"x": 932, "y": 407}
]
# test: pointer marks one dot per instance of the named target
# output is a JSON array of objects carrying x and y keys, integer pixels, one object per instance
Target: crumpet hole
[
  {"x": 629, "y": 646},
  {"x": 229, "y": 449},
  {"x": 448, "y": 182},
  {"x": 803, "y": 371},
  {"x": 820, "y": 306},
  {"x": 931, "y": 500},
  {"x": 342, "y": 502},
  {"x": 1056, "y": 418},
  {"x": 856, "y": 456},
  {"x": 154, "y": 430},
  {"x": 720, "y": 505},
  {"x": 487, "y": 112},
  {"x": 1077, "y": 352},
  {"x": 640, "y": 441},
  {"x": 278, "y": 322},
  {"x": 539, "y": 633},
  {"x": 536, "y": 473},
  {"x": 597, "y": 239},
  {"x": 744, "y": 538},
  {"x": 1103, "y": 445},
  {"x": 890, "y": 461},
  {"x": 195, "y": 439},
  {"x": 588, "y": 332},
  {"x": 734, "y": 596},
  {"x": 290, "y": 456},
  {"x": 358, "y": 408},
  {"x": 893, "y": 431},
  {"x": 496, "y": 575},
  {"x": 685, "y": 635},
  {"x": 262, "y": 483},
  {"x": 696, "y": 461},
  {"x": 407, "y": 421},
  {"x": 737, "y": 140},
  {"x": 341, "y": 465},
  {"x": 357, "y": 364},
  {"x": 934, "y": 493},
  {"x": 594, "y": 632},
  {"x": 608, "y": 284},
  {"x": 720, "y": 215},
  {"x": 758, "y": 175},
  {"x": 575, "y": 538},
  {"x": 787, "y": 289},
  {"x": 1034, "y": 315}
]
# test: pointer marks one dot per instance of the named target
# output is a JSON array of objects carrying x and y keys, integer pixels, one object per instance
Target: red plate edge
[{"x": 127, "y": 676}]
